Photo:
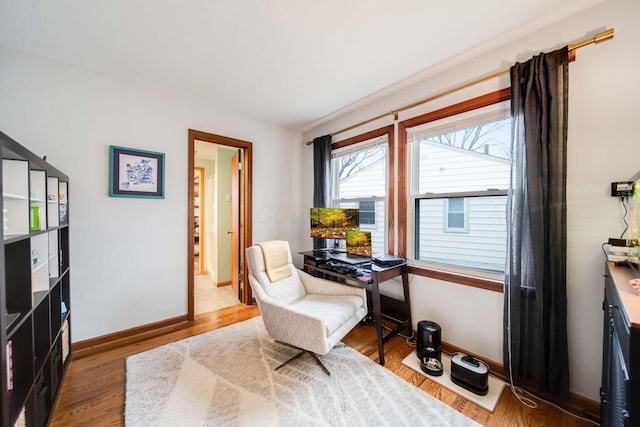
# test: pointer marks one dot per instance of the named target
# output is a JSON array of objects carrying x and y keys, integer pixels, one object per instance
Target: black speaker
[{"x": 428, "y": 347}]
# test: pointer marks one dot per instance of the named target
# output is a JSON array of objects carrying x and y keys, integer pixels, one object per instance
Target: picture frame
[{"x": 136, "y": 173}]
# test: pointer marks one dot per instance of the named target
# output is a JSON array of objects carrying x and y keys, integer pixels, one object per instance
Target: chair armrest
[{"x": 318, "y": 285}]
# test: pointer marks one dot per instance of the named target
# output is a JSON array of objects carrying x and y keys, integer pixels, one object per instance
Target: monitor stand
[{"x": 336, "y": 247}]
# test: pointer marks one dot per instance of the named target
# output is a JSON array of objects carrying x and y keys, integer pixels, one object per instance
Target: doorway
[{"x": 220, "y": 229}]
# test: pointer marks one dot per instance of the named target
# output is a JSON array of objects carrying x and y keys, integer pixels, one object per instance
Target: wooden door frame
[{"x": 247, "y": 184}]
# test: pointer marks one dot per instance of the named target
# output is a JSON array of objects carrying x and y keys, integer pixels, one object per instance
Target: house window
[
  {"x": 455, "y": 217},
  {"x": 360, "y": 181},
  {"x": 367, "y": 213},
  {"x": 460, "y": 172}
]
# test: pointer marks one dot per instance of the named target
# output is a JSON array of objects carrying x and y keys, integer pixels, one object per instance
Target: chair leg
[
  {"x": 297, "y": 356},
  {"x": 302, "y": 352},
  {"x": 319, "y": 362}
]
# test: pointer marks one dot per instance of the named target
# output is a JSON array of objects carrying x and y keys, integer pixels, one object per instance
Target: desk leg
[
  {"x": 377, "y": 309},
  {"x": 407, "y": 299}
]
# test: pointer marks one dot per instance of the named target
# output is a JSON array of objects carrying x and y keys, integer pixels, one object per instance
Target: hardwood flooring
[{"x": 93, "y": 391}]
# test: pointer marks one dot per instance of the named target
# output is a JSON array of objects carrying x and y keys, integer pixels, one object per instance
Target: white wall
[
  {"x": 128, "y": 256},
  {"x": 602, "y": 147}
]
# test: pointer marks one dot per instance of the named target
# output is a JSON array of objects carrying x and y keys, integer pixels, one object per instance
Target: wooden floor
[{"x": 93, "y": 391}]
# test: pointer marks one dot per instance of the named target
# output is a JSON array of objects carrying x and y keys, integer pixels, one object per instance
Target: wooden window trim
[
  {"x": 403, "y": 190},
  {"x": 459, "y": 278}
]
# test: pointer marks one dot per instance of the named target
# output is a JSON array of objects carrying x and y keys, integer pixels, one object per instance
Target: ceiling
[{"x": 292, "y": 63}]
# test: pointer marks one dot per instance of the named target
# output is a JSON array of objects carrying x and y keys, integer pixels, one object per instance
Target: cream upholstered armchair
[{"x": 298, "y": 309}]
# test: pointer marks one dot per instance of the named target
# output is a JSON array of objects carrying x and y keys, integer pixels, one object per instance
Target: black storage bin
[{"x": 470, "y": 373}]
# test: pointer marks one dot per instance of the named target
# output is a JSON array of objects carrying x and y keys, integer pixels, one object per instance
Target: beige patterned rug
[{"x": 226, "y": 378}]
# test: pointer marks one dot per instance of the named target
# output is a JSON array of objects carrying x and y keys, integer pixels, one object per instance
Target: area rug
[
  {"x": 489, "y": 401},
  {"x": 226, "y": 377}
]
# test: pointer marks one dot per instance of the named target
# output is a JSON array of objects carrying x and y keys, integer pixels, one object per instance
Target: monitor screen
[
  {"x": 359, "y": 243},
  {"x": 333, "y": 223}
]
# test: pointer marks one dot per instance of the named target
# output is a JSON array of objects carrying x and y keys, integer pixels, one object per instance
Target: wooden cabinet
[
  {"x": 34, "y": 286},
  {"x": 620, "y": 392}
]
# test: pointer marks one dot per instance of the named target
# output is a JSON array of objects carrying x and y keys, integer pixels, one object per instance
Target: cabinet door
[{"x": 618, "y": 414}]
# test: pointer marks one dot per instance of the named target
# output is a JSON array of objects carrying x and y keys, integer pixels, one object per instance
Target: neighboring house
[
  {"x": 468, "y": 231},
  {"x": 365, "y": 190}
]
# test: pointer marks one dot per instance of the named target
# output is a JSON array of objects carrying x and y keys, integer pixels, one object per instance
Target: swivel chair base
[{"x": 300, "y": 354}]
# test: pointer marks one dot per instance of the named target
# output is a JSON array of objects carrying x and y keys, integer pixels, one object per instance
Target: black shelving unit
[
  {"x": 34, "y": 286},
  {"x": 620, "y": 392}
]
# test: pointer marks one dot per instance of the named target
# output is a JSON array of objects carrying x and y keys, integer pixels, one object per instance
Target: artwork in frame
[{"x": 135, "y": 173}]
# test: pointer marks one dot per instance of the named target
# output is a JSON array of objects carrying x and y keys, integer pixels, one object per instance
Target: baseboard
[
  {"x": 225, "y": 283},
  {"x": 107, "y": 342},
  {"x": 577, "y": 404}
]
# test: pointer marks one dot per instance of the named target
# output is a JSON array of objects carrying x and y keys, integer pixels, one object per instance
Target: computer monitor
[
  {"x": 359, "y": 243},
  {"x": 333, "y": 223}
]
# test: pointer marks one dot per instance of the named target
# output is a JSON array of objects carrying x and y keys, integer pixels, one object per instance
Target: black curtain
[
  {"x": 321, "y": 177},
  {"x": 535, "y": 320}
]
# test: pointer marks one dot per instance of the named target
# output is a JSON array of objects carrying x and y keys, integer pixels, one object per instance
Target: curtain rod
[{"x": 598, "y": 38}]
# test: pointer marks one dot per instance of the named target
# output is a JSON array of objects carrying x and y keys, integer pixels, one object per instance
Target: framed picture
[{"x": 135, "y": 173}]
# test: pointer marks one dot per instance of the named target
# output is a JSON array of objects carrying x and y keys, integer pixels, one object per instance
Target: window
[
  {"x": 367, "y": 213},
  {"x": 459, "y": 174},
  {"x": 360, "y": 181},
  {"x": 456, "y": 215}
]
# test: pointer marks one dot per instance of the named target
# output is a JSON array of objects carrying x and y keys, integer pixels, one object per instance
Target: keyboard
[
  {"x": 341, "y": 268},
  {"x": 348, "y": 270}
]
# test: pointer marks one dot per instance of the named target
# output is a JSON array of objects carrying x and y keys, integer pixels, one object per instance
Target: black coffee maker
[{"x": 428, "y": 347}]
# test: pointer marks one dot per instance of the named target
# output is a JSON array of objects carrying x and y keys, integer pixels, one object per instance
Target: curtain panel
[
  {"x": 322, "y": 171},
  {"x": 535, "y": 316},
  {"x": 321, "y": 177}
]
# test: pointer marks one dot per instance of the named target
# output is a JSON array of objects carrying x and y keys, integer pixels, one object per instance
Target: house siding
[
  {"x": 445, "y": 169},
  {"x": 368, "y": 183},
  {"x": 483, "y": 245}
]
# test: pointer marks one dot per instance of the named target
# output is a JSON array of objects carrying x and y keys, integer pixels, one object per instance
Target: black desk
[{"x": 314, "y": 263}]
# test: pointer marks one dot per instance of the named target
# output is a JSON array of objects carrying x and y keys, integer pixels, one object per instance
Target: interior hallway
[{"x": 209, "y": 297}]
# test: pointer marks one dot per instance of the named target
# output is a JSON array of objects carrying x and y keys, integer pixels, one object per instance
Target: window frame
[
  {"x": 389, "y": 132},
  {"x": 469, "y": 277}
]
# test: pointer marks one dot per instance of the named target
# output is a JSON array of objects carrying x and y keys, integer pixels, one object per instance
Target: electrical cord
[
  {"x": 624, "y": 217},
  {"x": 603, "y": 249},
  {"x": 522, "y": 391},
  {"x": 524, "y": 400},
  {"x": 519, "y": 392},
  {"x": 410, "y": 339}
]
